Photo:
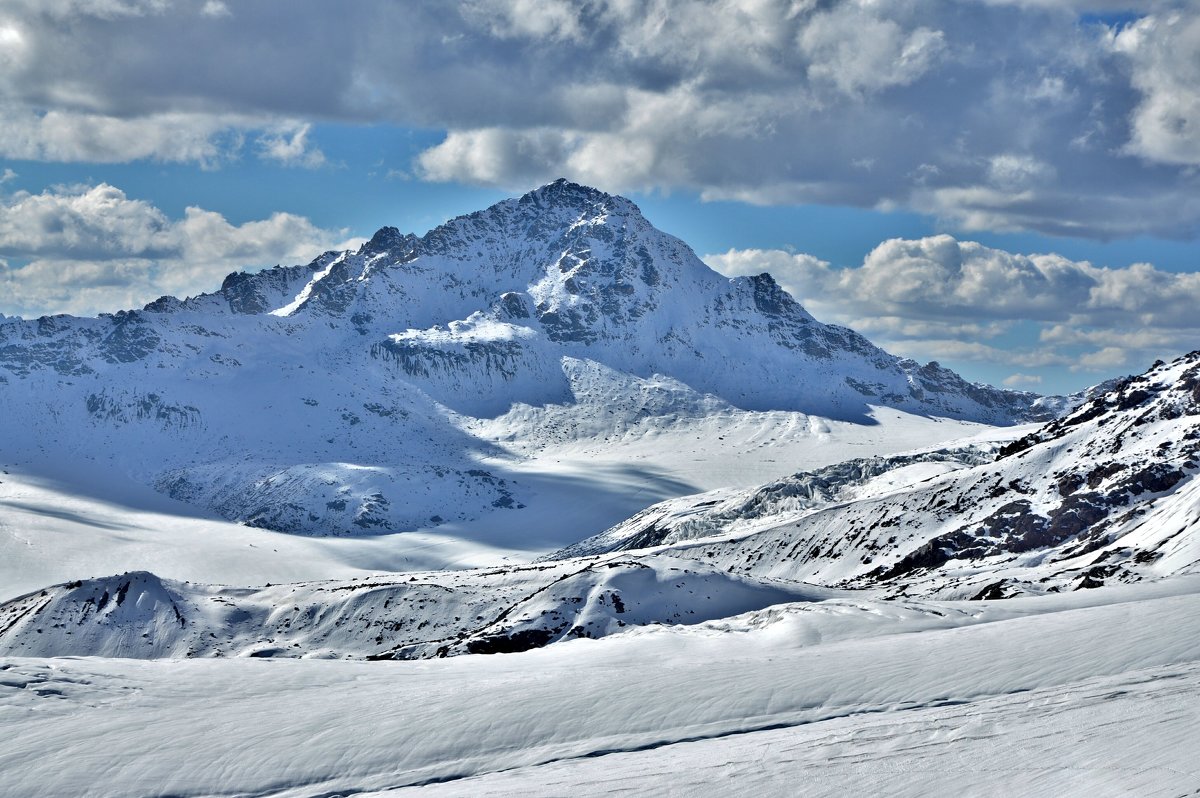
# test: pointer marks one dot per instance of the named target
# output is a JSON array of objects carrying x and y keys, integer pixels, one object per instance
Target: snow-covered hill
[
  {"x": 400, "y": 386},
  {"x": 399, "y": 616}
]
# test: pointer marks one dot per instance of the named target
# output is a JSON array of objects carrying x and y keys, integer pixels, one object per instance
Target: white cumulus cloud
[
  {"x": 941, "y": 297},
  {"x": 87, "y": 249},
  {"x": 1162, "y": 49}
]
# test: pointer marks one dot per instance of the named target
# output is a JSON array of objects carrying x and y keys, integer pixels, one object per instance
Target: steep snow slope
[
  {"x": 1120, "y": 662},
  {"x": 394, "y": 387},
  {"x": 1107, "y": 493}
]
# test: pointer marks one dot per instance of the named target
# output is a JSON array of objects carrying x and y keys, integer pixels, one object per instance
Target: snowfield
[
  {"x": 1087, "y": 693},
  {"x": 1099, "y": 738}
]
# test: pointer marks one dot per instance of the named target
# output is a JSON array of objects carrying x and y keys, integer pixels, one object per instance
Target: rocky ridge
[{"x": 1105, "y": 494}]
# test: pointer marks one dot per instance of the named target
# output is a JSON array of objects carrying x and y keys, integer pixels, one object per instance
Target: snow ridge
[{"x": 399, "y": 616}]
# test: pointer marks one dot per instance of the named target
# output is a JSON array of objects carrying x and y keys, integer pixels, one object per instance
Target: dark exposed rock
[
  {"x": 993, "y": 591},
  {"x": 388, "y": 240},
  {"x": 513, "y": 306},
  {"x": 769, "y": 298},
  {"x": 419, "y": 359},
  {"x": 1153, "y": 478},
  {"x": 164, "y": 304},
  {"x": 1103, "y": 472},
  {"x": 864, "y": 388},
  {"x": 141, "y": 407},
  {"x": 1069, "y": 483},
  {"x": 510, "y": 643},
  {"x": 131, "y": 339}
]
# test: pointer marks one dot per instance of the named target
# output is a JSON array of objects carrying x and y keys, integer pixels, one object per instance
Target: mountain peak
[
  {"x": 568, "y": 189},
  {"x": 561, "y": 315},
  {"x": 563, "y": 193},
  {"x": 387, "y": 239}
]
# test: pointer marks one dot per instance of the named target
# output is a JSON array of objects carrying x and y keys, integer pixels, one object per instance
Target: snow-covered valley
[
  {"x": 538, "y": 504},
  {"x": 66, "y": 520}
]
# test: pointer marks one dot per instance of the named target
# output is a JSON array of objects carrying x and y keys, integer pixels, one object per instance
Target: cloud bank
[
  {"x": 1029, "y": 114},
  {"x": 939, "y": 297}
]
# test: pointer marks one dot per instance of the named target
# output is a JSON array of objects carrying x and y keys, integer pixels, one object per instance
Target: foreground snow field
[
  {"x": 1099, "y": 738},
  {"x": 1093, "y": 692}
]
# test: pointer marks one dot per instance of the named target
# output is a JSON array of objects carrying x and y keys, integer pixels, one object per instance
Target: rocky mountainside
[
  {"x": 376, "y": 389},
  {"x": 1105, "y": 494}
]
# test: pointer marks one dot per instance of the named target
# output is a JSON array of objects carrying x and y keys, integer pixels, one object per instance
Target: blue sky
[{"x": 893, "y": 165}]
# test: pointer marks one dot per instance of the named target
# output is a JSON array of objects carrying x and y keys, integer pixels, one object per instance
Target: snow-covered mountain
[{"x": 392, "y": 387}]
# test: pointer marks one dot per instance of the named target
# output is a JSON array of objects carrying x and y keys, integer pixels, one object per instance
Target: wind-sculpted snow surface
[
  {"x": 1106, "y": 494},
  {"x": 361, "y": 392}
]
